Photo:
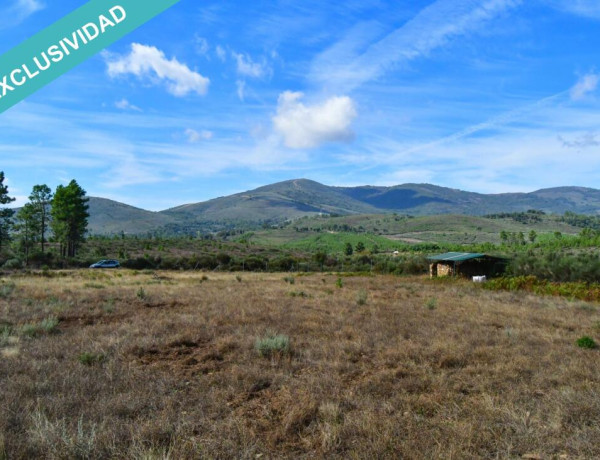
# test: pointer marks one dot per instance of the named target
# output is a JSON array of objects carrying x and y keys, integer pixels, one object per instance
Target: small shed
[{"x": 465, "y": 264}]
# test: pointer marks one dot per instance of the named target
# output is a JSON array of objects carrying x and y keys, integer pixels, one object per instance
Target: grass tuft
[
  {"x": 361, "y": 298},
  {"x": 272, "y": 344},
  {"x": 89, "y": 359},
  {"x": 431, "y": 304},
  {"x": 46, "y": 326}
]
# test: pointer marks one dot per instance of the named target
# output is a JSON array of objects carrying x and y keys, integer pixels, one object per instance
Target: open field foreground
[{"x": 164, "y": 365}]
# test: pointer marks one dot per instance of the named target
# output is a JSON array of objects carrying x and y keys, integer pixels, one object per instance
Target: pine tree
[
  {"x": 6, "y": 214},
  {"x": 26, "y": 228},
  {"x": 41, "y": 198},
  {"x": 69, "y": 217}
]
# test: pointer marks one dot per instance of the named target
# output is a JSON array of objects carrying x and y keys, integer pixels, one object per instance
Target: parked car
[{"x": 106, "y": 264}]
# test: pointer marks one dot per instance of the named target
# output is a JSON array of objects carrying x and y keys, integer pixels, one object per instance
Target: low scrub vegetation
[
  {"x": 573, "y": 290},
  {"x": 272, "y": 345}
]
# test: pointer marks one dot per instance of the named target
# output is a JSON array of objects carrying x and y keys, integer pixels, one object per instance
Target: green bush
[
  {"x": 272, "y": 344},
  {"x": 5, "y": 334},
  {"x": 431, "y": 304},
  {"x": 89, "y": 359},
  {"x": 49, "y": 325},
  {"x": 13, "y": 264},
  {"x": 586, "y": 342},
  {"x": 6, "y": 290}
]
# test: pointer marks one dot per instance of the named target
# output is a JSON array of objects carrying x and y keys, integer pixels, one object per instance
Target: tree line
[{"x": 62, "y": 214}]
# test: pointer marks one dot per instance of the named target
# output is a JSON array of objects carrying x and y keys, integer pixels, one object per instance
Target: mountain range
[{"x": 302, "y": 197}]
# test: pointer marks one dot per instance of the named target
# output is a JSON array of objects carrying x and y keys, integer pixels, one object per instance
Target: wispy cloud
[
  {"x": 19, "y": 11},
  {"x": 124, "y": 104},
  {"x": 194, "y": 136},
  {"x": 586, "y": 85},
  {"x": 241, "y": 89},
  {"x": 201, "y": 44},
  {"x": 249, "y": 68},
  {"x": 148, "y": 62},
  {"x": 221, "y": 53},
  {"x": 310, "y": 126},
  {"x": 585, "y": 8},
  {"x": 345, "y": 67},
  {"x": 584, "y": 141}
]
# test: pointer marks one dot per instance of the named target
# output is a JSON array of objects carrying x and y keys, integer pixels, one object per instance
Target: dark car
[{"x": 106, "y": 264}]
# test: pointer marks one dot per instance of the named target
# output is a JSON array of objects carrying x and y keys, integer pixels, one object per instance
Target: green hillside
[
  {"x": 111, "y": 217},
  {"x": 454, "y": 229}
]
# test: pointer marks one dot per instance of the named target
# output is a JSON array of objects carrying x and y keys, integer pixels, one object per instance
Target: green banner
[{"x": 68, "y": 42}]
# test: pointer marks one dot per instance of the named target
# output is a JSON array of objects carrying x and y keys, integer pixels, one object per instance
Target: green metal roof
[{"x": 456, "y": 256}]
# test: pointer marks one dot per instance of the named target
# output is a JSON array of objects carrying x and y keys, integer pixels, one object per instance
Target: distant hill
[
  {"x": 298, "y": 198},
  {"x": 112, "y": 217},
  {"x": 283, "y": 200}
]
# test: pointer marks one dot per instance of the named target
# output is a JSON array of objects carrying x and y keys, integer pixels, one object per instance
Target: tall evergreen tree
[
  {"x": 26, "y": 228},
  {"x": 69, "y": 217},
  {"x": 41, "y": 198},
  {"x": 6, "y": 214}
]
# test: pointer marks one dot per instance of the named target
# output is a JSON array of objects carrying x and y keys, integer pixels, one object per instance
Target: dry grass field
[{"x": 164, "y": 365}]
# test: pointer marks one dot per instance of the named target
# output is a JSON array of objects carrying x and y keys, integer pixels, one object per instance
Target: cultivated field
[{"x": 164, "y": 365}]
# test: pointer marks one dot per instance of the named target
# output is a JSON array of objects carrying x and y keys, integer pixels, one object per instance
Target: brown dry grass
[{"x": 386, "y": 374}]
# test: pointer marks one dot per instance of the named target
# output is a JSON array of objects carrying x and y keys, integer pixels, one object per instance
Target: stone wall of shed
[{"x": 441, "y": 269}]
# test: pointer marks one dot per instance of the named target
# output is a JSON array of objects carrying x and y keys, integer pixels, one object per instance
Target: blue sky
[{"x": 214, "y": 98}]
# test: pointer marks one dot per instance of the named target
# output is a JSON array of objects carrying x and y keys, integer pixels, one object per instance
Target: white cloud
[
  {"x": 310, "y": 126},
  {"x": 433, "y": 27},
  {"x": 241, "y": 89},
  {"x": 586, "y": 85},
  {"x": 202, "y": 46},
  {"x": 21, "y": 10},
  {"x": 586, "y": 8},
  {"x": 150, "y": 63},
  {"x": 582, "y": 142},
  {"x": 221, "y": 53},
  {"x": 194, "y": 136},
  {"x": 124, "y": 104},
  {"x": 248, "y": 68}
]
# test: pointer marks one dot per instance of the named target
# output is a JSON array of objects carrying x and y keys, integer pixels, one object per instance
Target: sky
[{"x": 214, "y": 98}]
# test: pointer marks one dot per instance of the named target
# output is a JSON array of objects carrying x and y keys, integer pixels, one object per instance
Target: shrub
[
  {"x": 289, "y": 279},
  {"x": 6, "y": 290},
  {"x": 13, "y": 264},
  {"x": 431, "y": 304},
  {"x": 339, "y": 283},
  {"x": 141, "y": 293},
  {"x": 272, "y": 344},
  {"x": 49, "y": 325},
  {"x": 89, "y": 359},
  {"x": 238, "y": 278},
  {"x": 586, "y": 342},
  {"x": 5, "y": 334},
  {"x": 361, "y": 298}
]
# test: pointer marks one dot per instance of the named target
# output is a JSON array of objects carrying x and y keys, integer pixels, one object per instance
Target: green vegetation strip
[{"x": 575, "y": 290}]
